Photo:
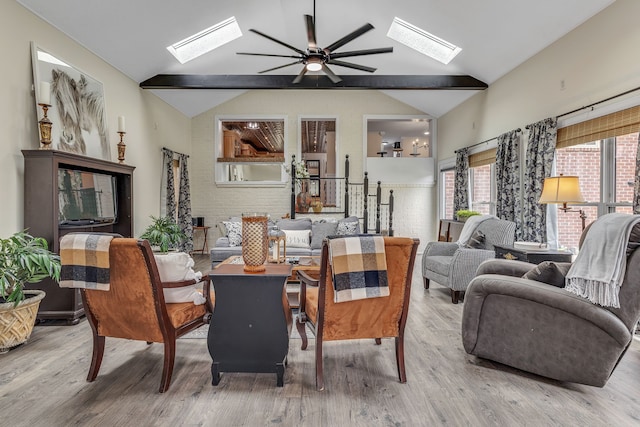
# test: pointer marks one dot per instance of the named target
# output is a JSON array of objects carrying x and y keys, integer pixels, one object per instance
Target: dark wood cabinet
[{"x": 41, "y": 216}]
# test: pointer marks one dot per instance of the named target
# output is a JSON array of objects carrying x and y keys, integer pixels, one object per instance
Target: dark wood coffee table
[{"x": 251, "y": 322}]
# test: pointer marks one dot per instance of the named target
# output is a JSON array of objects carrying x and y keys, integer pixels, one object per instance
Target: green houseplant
[
  {"x": 163, "y": 233},
  {"x": 23, "y": 259},
  {"x": 464, "y": 214}
]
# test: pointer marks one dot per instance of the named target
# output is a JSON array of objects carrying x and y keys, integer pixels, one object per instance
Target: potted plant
[
  {"x": 163, "y": 233},
  {"x": 23, "y": 259},
  {"x": 464, "y": 214}
]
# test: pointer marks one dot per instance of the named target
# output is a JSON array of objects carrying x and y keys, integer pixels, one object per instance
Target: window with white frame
[{"x": 482, "y": 178}]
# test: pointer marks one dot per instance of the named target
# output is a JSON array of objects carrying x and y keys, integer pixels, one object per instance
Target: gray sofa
[
  {"x": 544, "y": 329},
  {"x": 318, "y": 230}
]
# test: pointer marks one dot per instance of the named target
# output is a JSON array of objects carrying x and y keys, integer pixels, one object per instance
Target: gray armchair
[
  {"x": 544, "y": 329},
  {"x": 453, "y": 266}
]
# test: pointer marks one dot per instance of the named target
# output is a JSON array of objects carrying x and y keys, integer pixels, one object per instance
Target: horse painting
[{"x": 80, "y": 110}]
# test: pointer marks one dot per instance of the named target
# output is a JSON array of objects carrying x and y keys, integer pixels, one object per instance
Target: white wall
[
  {"x": 151, "y": 123},
  {"x": 595, "y": 61},
  {"x": 218, "y": 203}
]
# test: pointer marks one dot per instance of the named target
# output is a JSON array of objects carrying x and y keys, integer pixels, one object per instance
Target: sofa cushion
[
  {"x": 549, "y": 272},
  {"x": 477, "y": 240},
  {"x": 345, "y": 228},
  {"x": 320, "y": 231},
  {"x": 298, "y": 238},
  {"x": 294, "y": 224},
  {"x": 234, "y": 232}
]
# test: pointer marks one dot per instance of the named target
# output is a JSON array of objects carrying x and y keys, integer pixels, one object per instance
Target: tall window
[
  {"x": 483, "y": 181},
  {"x": 447, "y": 178},
  {"x": 602, "y": 153}
]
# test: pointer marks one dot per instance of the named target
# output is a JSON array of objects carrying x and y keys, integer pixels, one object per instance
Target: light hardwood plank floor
[{"x": 42, "y": 383}]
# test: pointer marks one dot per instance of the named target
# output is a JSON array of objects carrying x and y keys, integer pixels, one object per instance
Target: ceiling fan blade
[
  {"x": 311, "y": 31},
  {"x": 266, "y": 54},
  {"x": 299, "y": 77},
  {"x": 332, "y": 76},
  {"x": 352, "y": 65},
  {"x": 362, "y": 52},
  {"x": 277, "y": 68},
  {"x": 346, "y": 39},
  {"x": 295, "y": 49}
]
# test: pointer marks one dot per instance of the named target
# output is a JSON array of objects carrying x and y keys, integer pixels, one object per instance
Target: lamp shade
[{"x": 561, "y": 189}]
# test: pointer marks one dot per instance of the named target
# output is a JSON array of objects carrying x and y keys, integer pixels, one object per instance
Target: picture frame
[{"x": 77, "y": 111}]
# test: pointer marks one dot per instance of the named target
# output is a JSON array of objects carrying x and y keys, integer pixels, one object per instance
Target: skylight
[
  {"x": 206, "y": 40},
  {"x": 422, "y": 41}
]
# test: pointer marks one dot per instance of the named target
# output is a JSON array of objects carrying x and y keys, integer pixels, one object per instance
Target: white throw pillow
[
  {"x": 176, "y": 267},
  {"x": 234, "y": 232},
  {"x": 298, "y": 238}
]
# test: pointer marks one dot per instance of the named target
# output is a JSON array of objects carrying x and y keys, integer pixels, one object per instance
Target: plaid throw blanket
[
  {"x": 359, "y": 267},
  {"x": 85, "y": 261}
]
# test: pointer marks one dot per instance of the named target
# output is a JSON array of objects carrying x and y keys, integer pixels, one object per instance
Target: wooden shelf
[{"x": 251, "y": 159}]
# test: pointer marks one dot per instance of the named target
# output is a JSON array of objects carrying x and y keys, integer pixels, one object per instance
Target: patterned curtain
[
  {"x": 461, "y": 181},
  {"x": 539, "y": 164},
  {"x": 508, "y": 204},
  {"x": 636, "y": 187},
  {"x": 184, "y": 205},
  {"x": 169, "y": 190}
]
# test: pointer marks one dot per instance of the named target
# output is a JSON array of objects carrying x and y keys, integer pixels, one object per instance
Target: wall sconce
[
  {"x": 562, "y": 190},
  {"x": 417, "y": 147}
]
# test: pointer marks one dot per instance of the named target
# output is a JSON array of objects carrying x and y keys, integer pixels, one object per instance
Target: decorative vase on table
[
  {"x": 255, "y": 243},
  {"x": 303, "y": 199}
]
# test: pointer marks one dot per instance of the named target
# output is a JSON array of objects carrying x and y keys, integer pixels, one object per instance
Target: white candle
[
  {"x": 275, "y": 251},
  {"x": 382, "y": 146},
  {"x": 121, "y": 124},
  {"x": 45, "y": 93},
  {"x": 415, "y": 148}
]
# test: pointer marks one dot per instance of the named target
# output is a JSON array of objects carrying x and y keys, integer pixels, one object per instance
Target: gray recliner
[
  {"x": 453, "y": 266},
  {"x": 544, "y": 329}
]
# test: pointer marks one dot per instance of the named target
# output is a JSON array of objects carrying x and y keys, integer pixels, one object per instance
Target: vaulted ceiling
[{"x": 495, "y": 36}]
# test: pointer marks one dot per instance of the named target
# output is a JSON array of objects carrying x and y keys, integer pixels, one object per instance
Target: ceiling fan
[{"x": 315, "y": 58}]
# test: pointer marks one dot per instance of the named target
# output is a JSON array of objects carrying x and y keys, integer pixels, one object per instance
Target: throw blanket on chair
[
  {"x": 359, "y": 267},
  {"x": 85, "y": 261},
  {"x": 599, "y": 268},
  {"x": 470, "y": 226}
]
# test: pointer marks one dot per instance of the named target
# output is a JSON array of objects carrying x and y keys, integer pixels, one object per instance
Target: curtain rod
[
  {"x": 174, "y": 152},
  {"x": 483, "y": 142},
  {"x": 599, "y": 102}
]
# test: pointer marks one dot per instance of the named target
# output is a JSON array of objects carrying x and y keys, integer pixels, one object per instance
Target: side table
[
  {"x": 205, "y": 230},
  {"x": 532, "y": 256},
  {"x": 251, "y": 323}
]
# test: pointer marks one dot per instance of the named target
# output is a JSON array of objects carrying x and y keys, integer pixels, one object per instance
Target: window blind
[
  {"x": 615, "y": 124},
  {"x": 482, "y": 158}
]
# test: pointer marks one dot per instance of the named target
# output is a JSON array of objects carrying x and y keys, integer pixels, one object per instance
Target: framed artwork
[{"x": 77, "y": 106}]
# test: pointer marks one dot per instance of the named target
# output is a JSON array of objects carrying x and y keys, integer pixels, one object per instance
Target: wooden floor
[{"x": 42, "y": 383}]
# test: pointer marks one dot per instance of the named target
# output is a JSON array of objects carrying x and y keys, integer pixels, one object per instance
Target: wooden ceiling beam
[{"x": 375, "y": 82}]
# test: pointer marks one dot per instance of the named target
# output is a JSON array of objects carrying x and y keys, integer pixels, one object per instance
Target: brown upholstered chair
[
  {"x": 134, "y": 307},
  {"x": 376, "y": 318}
]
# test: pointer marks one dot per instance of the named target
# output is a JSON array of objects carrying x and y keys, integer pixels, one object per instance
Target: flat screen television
[{"x": 86, "y": 198}]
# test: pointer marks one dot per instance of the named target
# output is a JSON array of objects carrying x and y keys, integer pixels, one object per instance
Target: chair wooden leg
[
  {"x": 378, "y": 341},
  {"x": 96, "y": 359},
  {"x": 456, "y": 296},
  {"x": 319, "y": 372},
  {"x": 169, "y": 359},
  {"x": 426, "y": 283},
  {"x": 400, "y": 358},
  {"x": 302, "y": 330}
]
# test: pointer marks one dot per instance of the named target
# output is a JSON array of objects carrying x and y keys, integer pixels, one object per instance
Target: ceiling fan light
[
  {"x": 422, "y": 41},
  {"x": 206, "y": 40},
  {"x": 314, "y": 65}
]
